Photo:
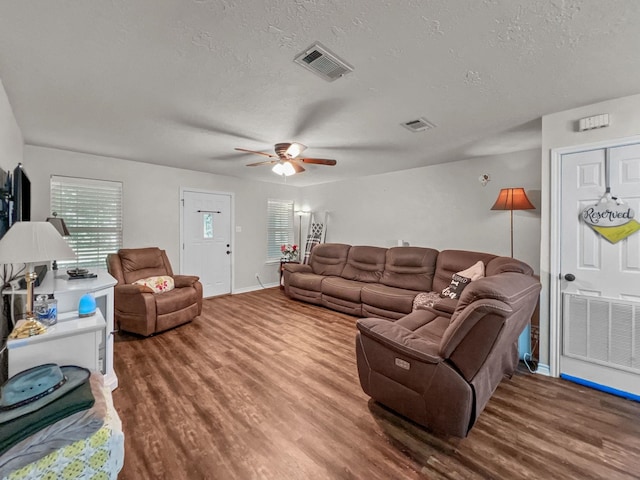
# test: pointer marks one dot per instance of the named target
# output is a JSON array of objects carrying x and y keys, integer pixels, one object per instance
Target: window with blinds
[
  {"x": 279, "y": 227},
  {"x": 92, "y": 211}
]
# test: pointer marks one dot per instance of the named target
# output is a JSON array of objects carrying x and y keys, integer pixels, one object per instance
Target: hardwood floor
[{"x": 263, "y": 387}]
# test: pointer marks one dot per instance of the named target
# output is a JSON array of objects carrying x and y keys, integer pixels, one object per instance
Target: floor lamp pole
[{"x": 511, "y": 211}]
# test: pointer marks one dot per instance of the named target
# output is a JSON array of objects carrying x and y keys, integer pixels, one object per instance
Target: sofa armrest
[
  {"x": 446, "y": 305},
  {"x": 182, "y": 281},
  {"x": 131, "y": 289},
  {"x": 133, "y": 299},
  {"x": 400, "y": 339},
  {"x": 297, "y": 267}
]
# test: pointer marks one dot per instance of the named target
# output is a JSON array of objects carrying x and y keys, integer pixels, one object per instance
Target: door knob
[
  {"x": 569, "y": 277},
  {"x": 228, "y": 252}
]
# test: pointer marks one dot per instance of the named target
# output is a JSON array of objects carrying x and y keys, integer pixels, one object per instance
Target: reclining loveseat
[{"x": 436, "y": 343}]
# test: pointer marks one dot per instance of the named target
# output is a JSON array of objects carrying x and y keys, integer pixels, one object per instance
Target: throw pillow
[
  {"x": 424, "y": 300},
  {"x": 158, "y": 284},
  {"x": 461, "y": 279},
  {"x": 474, "y": 272}
]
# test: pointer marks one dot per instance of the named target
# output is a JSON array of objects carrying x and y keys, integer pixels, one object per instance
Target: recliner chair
[
  {"x": 137, "y": 308},
  {"x": 440, "y": 369}
]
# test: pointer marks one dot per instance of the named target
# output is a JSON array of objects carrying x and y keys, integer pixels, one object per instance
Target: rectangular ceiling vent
[
  {"x": 419, "y": 125},
  {"x": 323, "y": 63}
]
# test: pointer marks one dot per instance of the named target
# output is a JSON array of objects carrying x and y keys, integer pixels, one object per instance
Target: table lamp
[
  {"x": 512, "y": 199},
  {"x": 30, "y": 243}
]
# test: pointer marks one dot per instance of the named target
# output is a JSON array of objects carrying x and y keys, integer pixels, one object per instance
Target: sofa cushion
[
  {"x": 140, "y": 263},
  {"x": 411, "y": 268},
  {"x": 342, "y": 288},
  {"x": 365, "y": 264},
  {"x": 176, "y": 299},
  {"x": 329, "y": 258},
  {"x": 388, "y": 298},
  {"x": 452, "y": 261},
  {"x": 306, "y": 281}
]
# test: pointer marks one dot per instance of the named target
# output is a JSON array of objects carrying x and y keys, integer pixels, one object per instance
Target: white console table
[{"x": 70, "y": 327}]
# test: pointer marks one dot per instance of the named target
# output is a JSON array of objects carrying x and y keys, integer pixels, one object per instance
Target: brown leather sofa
[
  {"x": 140, "y": 311},
  {"x": 367, "y": 281},
  {"x": 438, "y": 364}
]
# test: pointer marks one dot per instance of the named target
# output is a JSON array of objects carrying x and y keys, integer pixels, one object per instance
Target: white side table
[
  {"x": 71, "y": 341},
  {"x": 68, "y": 293}
]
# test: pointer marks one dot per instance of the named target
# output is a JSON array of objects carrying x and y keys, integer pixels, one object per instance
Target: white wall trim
[
  {"x": 543, "y": 370},
  {"x": 253, "y": 288},
  {"x": 555, "y": 281}
]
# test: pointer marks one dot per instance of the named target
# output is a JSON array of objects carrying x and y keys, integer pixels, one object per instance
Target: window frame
[
  {"x": 96, "y": 228},
  {"x": 280, "y": 229}
]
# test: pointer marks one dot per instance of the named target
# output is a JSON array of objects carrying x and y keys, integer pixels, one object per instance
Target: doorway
[
  {"x": 595, "y": 284},
  {"x": 206, "y": 239}
]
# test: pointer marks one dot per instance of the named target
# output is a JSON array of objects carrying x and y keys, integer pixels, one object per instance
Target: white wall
[
  {"x": 559, "y": 130},
  {"x": 440, "y": 206},
  {"x": 11, "y": 142},
  {"x": 151, "y": 208}
]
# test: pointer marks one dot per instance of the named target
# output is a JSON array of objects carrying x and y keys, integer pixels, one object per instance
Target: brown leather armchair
[
  {"x": 137, "y": 308},
  {"x": 441, "y": 369}
]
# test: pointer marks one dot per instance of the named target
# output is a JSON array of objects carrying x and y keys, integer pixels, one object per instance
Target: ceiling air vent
[
  {"x": 419, "y": 125},
  {"x": 323, "y": 63}
]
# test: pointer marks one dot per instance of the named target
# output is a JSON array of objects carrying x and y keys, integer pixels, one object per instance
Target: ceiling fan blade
[
  {"x": 212, "y": 127},
  {"x": 257, "y": 153},
  {"x": 315, "y": 114},
  {"x": 266, "y": 162},
  {"x": 318, "y": 161},
  {"x": 297, "y": 167}
]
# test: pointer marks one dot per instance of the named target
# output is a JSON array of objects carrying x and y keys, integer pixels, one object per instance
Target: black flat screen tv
[{"x": 21, "y": 195}]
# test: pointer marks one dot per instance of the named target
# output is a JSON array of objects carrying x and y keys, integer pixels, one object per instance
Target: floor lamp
[{"x": 512, "y": 199}]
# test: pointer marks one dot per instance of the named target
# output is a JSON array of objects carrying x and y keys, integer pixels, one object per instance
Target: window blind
[
  {"x": 279, "y": 226},
  {"x": 92, "y": 210}
]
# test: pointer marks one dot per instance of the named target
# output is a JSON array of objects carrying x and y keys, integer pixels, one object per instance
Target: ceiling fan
[{"x": 286, "y": 161}]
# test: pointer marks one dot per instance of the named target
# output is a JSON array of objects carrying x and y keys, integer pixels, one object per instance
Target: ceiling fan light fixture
[
  {"x": 283, "y": 168},
  {"x": 295, "y": 149}
]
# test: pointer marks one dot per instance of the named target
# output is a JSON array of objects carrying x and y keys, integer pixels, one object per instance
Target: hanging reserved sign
[
  {"x": 608, "y": 212},
  {"x": 612, "y": 218}
]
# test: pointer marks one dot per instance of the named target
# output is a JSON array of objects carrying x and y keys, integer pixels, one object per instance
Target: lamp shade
[
  {"x": 512, "y": 199},
  {"x": 59, "y": 225},
  {"x": 33, "y": 242}
]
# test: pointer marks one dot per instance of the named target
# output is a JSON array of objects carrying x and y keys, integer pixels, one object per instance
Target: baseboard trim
[
  {"x": 252, "y": 288},
  {"x": 543, "y": 369}
]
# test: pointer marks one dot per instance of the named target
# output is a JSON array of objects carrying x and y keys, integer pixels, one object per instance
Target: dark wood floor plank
[{"x": 263, "y": 387}]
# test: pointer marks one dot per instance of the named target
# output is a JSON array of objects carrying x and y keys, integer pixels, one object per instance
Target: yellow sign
[{"x": 615, "y": 234}]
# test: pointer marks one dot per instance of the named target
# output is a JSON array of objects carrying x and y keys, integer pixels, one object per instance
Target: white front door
[
  {"x": 206, "y": 234},
  {"x": 599, "y": 281}
]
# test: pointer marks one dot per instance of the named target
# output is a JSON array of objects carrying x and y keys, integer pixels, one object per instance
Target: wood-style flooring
[{"x": 263, "y": 387}]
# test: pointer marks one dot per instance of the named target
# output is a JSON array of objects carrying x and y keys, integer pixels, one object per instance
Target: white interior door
[
  {"x": 206, "y": 234},
  {"x": 600, "y": 281}
]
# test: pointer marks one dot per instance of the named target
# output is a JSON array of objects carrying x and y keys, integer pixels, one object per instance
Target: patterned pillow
[
  {"x": 461, "y": 279},
  {"x": 425, "y": 299},
  {"x": 159, "y": 284}
]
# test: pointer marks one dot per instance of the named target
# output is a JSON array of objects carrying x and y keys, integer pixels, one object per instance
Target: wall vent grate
[
  {"x": 419, "y": 125},
  {"x": 323, "y": 63}
]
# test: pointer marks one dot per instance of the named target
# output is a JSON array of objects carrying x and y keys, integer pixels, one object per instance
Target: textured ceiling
[{"x": 181, "y": 83}]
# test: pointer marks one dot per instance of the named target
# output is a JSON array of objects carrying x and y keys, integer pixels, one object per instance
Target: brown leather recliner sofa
[
  {"x": 437, "y": 364},
  {"x": 141, "y": 311}
]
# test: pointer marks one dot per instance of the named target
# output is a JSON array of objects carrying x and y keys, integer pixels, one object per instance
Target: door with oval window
[{"x": 206, "y": 235}]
